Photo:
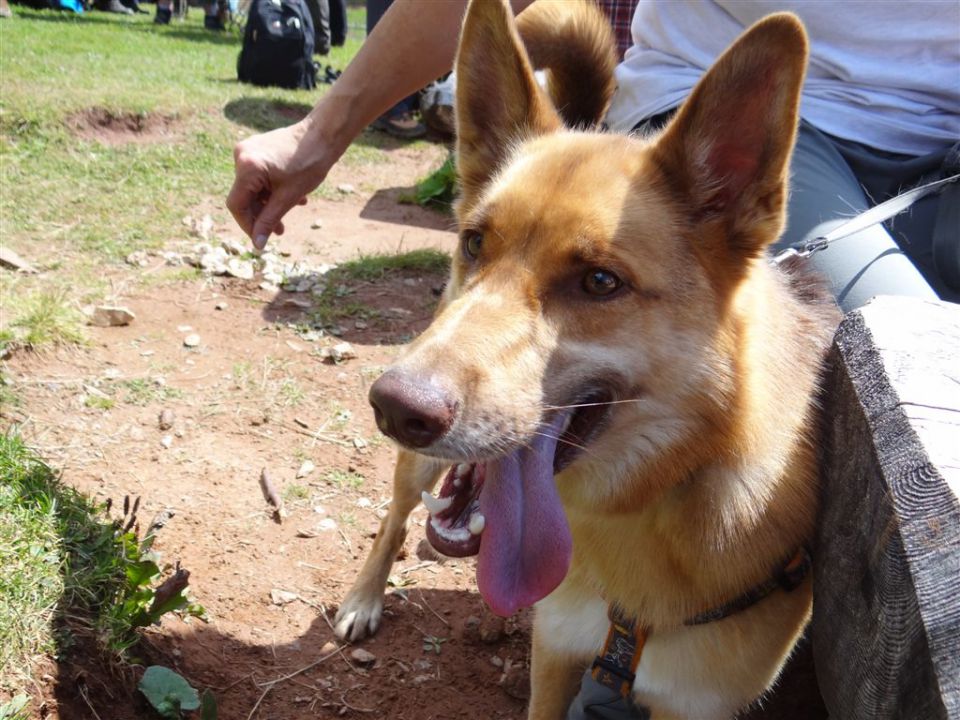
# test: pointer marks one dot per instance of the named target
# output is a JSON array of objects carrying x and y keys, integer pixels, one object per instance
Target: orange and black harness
[{"x": 615, "y": 667}]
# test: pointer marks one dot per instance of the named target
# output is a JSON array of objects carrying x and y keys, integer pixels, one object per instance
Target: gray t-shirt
[{"x": 884, "y": 73}]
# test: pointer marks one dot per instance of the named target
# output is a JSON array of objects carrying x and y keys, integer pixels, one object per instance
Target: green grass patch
[
  {"x": 46, "y": 318},
  {"x": 343, "y": 480},
  {"x": 142, "y": 391},
  {"x": 76, "y": 197},
  {"x": 68, "y": 569},
  {"x": 374, "y": 267}
]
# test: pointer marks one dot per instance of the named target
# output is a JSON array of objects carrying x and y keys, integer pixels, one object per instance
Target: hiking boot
[
  {"x": 163, "y": 16},
  {"x": 213, "y": 22},
  {"x": 402, "y": 125}
]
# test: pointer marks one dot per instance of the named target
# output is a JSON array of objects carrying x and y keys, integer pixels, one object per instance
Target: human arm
[{"x": 413, "y": 43}]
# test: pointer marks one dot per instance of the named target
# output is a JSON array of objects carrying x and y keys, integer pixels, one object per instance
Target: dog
[{"x": 618, "y": 394}]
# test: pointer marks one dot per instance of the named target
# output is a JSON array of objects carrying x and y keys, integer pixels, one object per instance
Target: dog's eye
[
  {"x": 601, "y": 282},
  {"x": 472, "y": 244}
]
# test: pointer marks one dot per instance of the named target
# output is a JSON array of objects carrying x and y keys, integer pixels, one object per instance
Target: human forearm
[{"x": 413, "y": 44}]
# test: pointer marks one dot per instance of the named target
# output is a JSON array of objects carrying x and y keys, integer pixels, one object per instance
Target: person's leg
[
  {"x": 400, "y": 119},
  {"x": 885, "y": 175},
  {"x": 164, "y": 12},
  {"x": 824, "y": 193}
]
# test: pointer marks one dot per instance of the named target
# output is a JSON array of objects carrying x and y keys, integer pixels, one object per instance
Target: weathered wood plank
[{"x": 886, "y": 627}]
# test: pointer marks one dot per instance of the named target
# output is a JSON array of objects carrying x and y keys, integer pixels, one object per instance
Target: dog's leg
[
  {"x": 359, "y": 613},
  {"x": 554, "y": 679}
]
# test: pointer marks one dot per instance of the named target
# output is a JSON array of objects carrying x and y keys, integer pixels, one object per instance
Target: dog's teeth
[
  {"x": 462, "y": 471},
  {"x": 433, "y": 504},
  {"x": 457, "y": 483},
  {"x": 477, "y": 523}
]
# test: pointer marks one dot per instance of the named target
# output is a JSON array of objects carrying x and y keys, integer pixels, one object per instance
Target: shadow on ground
[
  {"x": 263, "y": 114},
  {"x": 386, "y": 205},
  {"x": 407, "y": 680},
  {"x": 388, "y": 309}
]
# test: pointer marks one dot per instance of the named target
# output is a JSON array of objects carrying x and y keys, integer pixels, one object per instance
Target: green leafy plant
[
  {"x": 432, "y": 643},
  {"x": 170, "y": 694},
  {"x": 139, "y": 601},
  {"x": 438, "y": 189}
]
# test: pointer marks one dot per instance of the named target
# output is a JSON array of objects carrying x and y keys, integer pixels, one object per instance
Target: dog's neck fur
[{"x": 733, "y": 485}]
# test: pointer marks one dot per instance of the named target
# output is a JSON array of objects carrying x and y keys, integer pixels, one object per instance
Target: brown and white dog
[{"x": 623, "y": 383}]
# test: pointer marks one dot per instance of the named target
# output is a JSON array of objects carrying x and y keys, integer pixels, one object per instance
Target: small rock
[
  {"x": 307, "y": 533},
  {"x": 269, "y": 287},
  {"x": 496, "y": 661},
  {"x": 233, "y": 246},
  {"x": 222, "y": 305},
  {"x": 316, "y": 224},
  {"x": 346, "y": 189},
  {"x": 242, "y": 269},
  {"x": 491, "y": 630},
  {"x": 166, "y": 419},
  {"x": 167, "y": 441},
  {"x": 111, "y": 316},
  {"x": 305, "y": 469},
  {"x": 327, "y": 524},
  {"x": 296, "y": 302},
  {"x": 191, "y": 341},
  {"x": 421, "y": 679},
  {"x": 398, "y": 312},
  {"x": 362, "y": 657},
  {"x": 173, "y": 259},
  {"x": 203, "y": 227},
  {"x": 360, "y": 325},
  {"x": 304, "y": 285},
  {"x": 359, "y": 443},
  {"x": 8, "y": 258},
  {"x": 282, "y": 597},
  {"x": 138, "y": 258},
  {"x": 320, "y": 510},
  {"x": 338, "y": 353},
  {"x": 409, "y": 282},
  {"x": 471, "y": 630},
  {"x": 327, "y": 648},
  {"x": 184, "y": 328},
  {"x": 214, "y": 262},
  {"x": 364, "y": 502}
]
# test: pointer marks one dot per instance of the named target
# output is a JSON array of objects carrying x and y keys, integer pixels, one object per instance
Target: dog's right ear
[
  {"x": 498, "y": 98},
  {"x": 727, "y": 150}
]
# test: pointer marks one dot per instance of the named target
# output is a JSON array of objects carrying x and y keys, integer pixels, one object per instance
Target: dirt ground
[{"x": 254, "y": 394}]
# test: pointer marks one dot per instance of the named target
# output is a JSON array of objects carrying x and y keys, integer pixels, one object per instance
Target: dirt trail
[{"x": 253, "y": 395}]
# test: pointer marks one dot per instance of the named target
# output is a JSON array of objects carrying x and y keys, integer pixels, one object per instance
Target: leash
[
  {"x": 606, "y": 692},
  {"x": 877, "y": 214}
]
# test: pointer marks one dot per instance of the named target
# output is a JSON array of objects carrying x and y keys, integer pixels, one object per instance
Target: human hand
[{"x": 274, "y": 171}]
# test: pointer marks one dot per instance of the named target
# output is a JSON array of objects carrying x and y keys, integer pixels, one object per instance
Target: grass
[
  {"x": 68, "y": 570},
  {"x": 71, "y": 204},
  {"x": 46, "y": 318},
  {"x": 343, "y": 480},
  {"x": 144, "y": 392},
  {"x": 334, "y": 305}
]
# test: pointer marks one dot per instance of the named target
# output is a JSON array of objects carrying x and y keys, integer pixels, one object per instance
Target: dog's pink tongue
[{"x": 526, "y": 544}]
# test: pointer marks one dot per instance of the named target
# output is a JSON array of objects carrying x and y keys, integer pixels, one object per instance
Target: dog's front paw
[{"x": 358, "y": 617}]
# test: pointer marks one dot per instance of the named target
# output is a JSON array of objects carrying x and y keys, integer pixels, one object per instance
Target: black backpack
[{"x": 278, "y": 45}]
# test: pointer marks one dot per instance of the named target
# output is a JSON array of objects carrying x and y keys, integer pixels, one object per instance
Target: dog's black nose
[{"x": 413, "y": 411}]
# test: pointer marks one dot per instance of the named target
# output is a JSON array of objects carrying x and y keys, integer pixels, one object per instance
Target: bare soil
[
  {"x": 122, "y": 128},
  {"x": 254, "y": 395}
]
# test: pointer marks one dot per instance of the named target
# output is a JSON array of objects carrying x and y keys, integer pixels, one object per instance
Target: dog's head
[{"x": 596, "y": 296}]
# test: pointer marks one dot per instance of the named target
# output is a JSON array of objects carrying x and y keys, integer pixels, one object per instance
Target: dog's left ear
[
  {"x": 727, "y": 150},
  {"x": 498, "y": 98}
]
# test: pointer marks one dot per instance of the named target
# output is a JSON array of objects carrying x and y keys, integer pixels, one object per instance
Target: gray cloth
[
  {"x": 831, "y": 180},
  {"x": 597, "y": 702},
  {"x": 834, "y": 179}
]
